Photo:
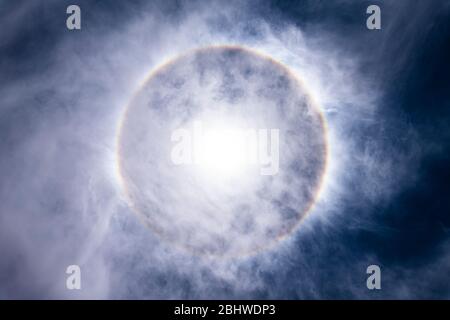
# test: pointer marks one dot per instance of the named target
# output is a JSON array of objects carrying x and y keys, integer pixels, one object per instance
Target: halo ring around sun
[{"x": 206, "y": 213}]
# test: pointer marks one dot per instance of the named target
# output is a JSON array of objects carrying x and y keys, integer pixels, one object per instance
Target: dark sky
[{"x": 62, "y": 91}]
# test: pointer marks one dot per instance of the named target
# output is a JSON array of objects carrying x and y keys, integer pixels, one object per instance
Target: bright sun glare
[{"x": 223, "y": 152}]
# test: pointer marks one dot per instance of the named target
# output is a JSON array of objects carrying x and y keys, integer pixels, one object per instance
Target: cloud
[{"x": 62, "y": 202}]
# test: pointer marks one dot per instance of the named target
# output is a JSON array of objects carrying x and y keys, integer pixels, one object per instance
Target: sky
[{"x": 73, "y": 104}]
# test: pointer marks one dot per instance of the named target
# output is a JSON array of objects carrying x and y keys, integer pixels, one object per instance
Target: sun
[
  {"x": 226, "y": 148},
  {"x": 223, "y": 152}
]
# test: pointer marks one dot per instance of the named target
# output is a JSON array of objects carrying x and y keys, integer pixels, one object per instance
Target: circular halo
[{"x": 208, "y": 215}]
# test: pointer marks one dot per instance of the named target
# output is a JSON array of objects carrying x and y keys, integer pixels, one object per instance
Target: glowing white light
[{"x": 223, "y": 152}]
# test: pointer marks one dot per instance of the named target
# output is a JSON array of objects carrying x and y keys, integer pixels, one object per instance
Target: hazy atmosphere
[{"x": 341, "y": 158}]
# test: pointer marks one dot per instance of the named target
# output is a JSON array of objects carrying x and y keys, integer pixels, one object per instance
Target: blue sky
[{"x": 385, "y": 96}]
